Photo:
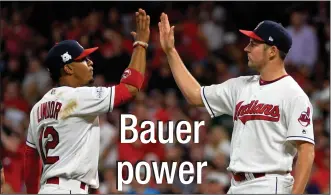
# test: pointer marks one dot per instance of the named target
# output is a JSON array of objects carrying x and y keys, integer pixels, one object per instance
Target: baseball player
[
  {"x": 271, "y": 113},
  {"x": 64, "y": 125}
]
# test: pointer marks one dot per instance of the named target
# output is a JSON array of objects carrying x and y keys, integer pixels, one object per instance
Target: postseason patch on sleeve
[{"x": 98, "y": 92}]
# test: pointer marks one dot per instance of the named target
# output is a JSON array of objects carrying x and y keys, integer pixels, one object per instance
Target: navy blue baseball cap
[
  {"x": 66, "y": 52},
  {"x": 272, "y": 33}
]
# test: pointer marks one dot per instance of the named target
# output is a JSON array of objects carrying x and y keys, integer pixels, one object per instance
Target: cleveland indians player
[
  {"x": 64, "y": 125},
  {"x": 271, "y": 113}
]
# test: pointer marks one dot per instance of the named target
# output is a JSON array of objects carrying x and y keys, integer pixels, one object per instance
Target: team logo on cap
[
  {"x": 304, "y": 119},
  {"x": 66, "y": 57}
]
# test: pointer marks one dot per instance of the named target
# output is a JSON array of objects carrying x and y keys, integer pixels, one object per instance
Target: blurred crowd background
[{"x": 208, "y": 41}]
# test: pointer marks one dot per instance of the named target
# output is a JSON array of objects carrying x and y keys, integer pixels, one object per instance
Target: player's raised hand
[
  {"x": 167, "y": 38},
  {"x": 142, "y": 26}
]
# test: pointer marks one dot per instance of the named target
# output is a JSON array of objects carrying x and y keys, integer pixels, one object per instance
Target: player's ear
[
  {"x": 273, "y": 52},
  {"x": 67, "y": 69}
]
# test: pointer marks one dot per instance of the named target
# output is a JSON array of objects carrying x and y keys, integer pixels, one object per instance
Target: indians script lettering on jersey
[{"x": 256, "y": 111}]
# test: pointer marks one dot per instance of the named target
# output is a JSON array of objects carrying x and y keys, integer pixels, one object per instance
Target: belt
[
  {"x": 56, "y": 180},
  {"x": 241, "y": 176}
]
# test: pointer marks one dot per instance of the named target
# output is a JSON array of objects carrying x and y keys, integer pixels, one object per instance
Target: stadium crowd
[{"x": 211, "y": 48}]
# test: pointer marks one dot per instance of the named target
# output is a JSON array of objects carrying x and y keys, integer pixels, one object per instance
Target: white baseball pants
[
  {"x": 269, "y": 184},
  {"x": 65, "y": 186}
]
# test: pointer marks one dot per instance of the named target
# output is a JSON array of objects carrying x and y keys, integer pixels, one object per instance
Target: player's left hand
[{"x": 143, "y": 23}]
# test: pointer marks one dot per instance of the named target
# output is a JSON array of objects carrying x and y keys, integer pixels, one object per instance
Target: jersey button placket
[{"x": 240, "y": 137}]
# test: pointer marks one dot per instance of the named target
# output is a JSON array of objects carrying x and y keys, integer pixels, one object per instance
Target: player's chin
[
  {"x": 250, "y": 64},
  {"x": 90, "y": 82}
]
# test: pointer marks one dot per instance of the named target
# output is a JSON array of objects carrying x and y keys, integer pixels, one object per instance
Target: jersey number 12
[{"x": 49, "y": 130}]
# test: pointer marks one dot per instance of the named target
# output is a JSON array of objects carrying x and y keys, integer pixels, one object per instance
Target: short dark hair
[
  {"x": 56, "y": 74},
  {"x": 282, "y": 54}
]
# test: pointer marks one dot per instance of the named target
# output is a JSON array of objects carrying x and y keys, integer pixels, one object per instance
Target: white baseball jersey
[
  {"x": 64, "y": 128},
  {"x": 267, "y": 116}
]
